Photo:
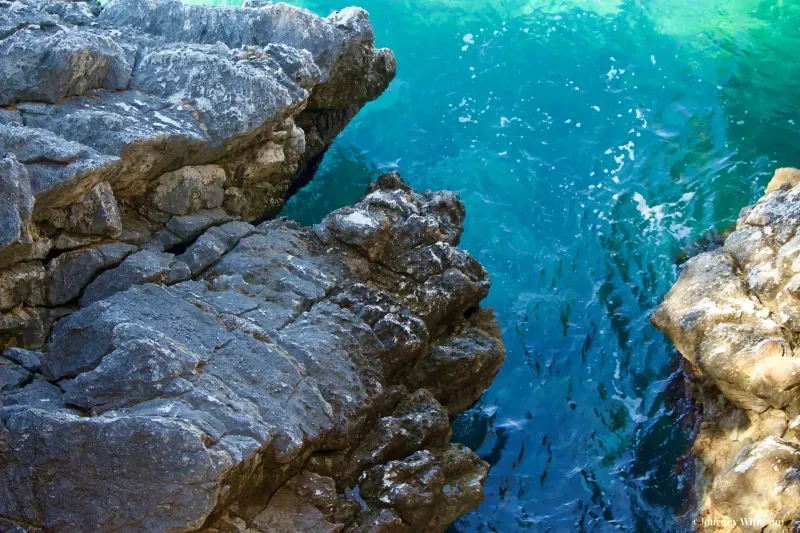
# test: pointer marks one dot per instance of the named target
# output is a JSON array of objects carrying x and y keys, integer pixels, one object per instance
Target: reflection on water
[{"x": 591, "y": 140}]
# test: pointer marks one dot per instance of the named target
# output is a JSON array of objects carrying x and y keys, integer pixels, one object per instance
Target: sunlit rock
[{"x": 734, "y": 313}]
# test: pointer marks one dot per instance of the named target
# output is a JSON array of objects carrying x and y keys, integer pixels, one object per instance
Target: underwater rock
[{"x": 734, "y": 315}]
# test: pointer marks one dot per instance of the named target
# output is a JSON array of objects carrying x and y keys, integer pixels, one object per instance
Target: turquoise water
[{"x": 591, "y": 141}]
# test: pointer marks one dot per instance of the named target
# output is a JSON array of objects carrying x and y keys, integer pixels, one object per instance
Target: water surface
[{"x": 591, "y": 141}]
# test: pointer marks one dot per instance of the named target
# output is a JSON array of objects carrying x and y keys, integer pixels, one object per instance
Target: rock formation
[
  {"x": 175, "y": 359},
  {"x": 734, "y": 315}
]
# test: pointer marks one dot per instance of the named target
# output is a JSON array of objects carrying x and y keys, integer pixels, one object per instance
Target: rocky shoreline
[
  {"x": 733, "y": 315},
  {"x": 174, "y": 358}
]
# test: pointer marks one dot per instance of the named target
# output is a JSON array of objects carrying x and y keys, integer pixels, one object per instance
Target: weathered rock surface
[
  {"x": 734, "y": 315},
  {"x": 170, "y": 361},
  {"x": 125, "y": 97},
  {"x": 146, "y": 122},
  {"x": 289, "y": 378}
]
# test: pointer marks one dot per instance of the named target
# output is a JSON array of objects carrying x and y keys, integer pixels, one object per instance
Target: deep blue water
[{"x": 591, "y": 141}]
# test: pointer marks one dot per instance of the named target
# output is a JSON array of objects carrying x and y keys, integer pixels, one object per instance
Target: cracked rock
[
  {"x": 142, "y": 267},
  {"x": 261, "y": 394},
  {"x": 194, "y": 372}
]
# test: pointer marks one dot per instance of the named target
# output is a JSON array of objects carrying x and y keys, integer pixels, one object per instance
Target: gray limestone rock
[
  {"x": 70, "y": 272},
  {"x": 46, "y": 14},
  {"x": 142, "y": 267},
  {"x": 39, "y": 392},
  {"x": 17, "y": 205},
  {"x": 478, "y": 346},
  {"x": 427, "y": 490},
  {"x": 61, "y": 171},
  {"x": 46, "y": 66},
  {"x": 12, "y": 375},
  {"x": 216, "y": 79},
  {"x": 195, "y": 372},
  {"x": 307, "y": 502},
  {"x": 30, "y": 361},
  {"x": 255, "y": 395},
  {"x": 9, "y": 117},
  {"x": 418, "y": 421},
  {"x": 213, "y": 244},
  {"x": 110, "y": 466},
  {"x": 148, "y": 87},
  {"x": 150, "y": 121},
  {"x": 189, "y": 227}
]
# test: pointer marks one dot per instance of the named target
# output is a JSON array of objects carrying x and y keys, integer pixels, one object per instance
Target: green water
[{"x": 591, "y": 140}]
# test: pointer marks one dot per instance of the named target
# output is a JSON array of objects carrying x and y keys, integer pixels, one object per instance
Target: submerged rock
[{"x": 733, "y": 315}]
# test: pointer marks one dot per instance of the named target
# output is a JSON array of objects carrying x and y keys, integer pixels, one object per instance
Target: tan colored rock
[
  {"x": 12, "y": 327},
  {"x": 778, "y": 213},
  {"x": 188, "y": 189},
  {"x": 787, "y": 303},
  {"x": 22, "y": 283},
  {"x": 788, "y": 177},
  {"x": 96, "y": 214},
  {"x": 307, "y": 502},
  {"x": 735, "y": 314},
  {"x": 789, "y": 257},
  {"x": 259, "y": 179},
  {"x": 761, "y": 487},
  {"x": 750, "y": 246},
  {"x": 707, "y": 293},
  {"x": 751, "y": 363},
  {"x": 26, "y": 250}
]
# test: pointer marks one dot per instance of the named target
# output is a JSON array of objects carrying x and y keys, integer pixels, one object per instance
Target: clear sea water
[{"x": 591, "y": 141}]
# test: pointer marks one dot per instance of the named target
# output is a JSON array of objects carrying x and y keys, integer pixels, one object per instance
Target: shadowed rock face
[{"x": 733, "y": 314}]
